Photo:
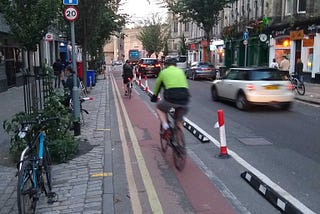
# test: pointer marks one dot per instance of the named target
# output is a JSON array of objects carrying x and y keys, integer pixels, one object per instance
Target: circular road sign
[
  {"x": 70, "y": 13},
  {"x": 245, "y": 42}
]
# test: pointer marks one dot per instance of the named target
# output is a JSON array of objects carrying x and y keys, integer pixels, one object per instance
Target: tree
[
  {"x": 153, "y": 36},
  {"x": 29, "y": 22},
  {"x": 97, "y": 22},
  {"x": 205, "y": 13},
  {"x": 183, "y": 46}
]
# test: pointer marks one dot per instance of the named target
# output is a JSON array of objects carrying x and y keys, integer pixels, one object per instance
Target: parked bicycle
[
  {"x": 83, "y": 90},
  {"x": 82, "y": 110},
  {"x": 176, "y": 140},
  {"x": 298, "y": 86},
  {"x": 34, "y": 168}
]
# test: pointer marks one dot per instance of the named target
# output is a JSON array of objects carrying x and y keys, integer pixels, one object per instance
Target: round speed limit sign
[{"x": 70, "y": 13}]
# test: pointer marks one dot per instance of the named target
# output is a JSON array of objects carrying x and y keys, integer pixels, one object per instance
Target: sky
[{"x": 141, "y": 10}]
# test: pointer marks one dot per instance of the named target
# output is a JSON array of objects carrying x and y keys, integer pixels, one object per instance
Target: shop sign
[
  {"x": 296, "y": 35},
  {"x": 308, "y": 43}
]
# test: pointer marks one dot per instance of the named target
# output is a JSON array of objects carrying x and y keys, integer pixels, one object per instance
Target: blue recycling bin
[{"x": 91, "y": 78}]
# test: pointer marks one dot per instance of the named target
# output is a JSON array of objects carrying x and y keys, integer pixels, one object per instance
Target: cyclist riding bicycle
[
  {"x": 176, "y": 95},
  {"x": 126, "y": 74}
]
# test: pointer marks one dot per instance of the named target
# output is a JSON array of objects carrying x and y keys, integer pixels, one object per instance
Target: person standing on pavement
[
  {"x": 274, "y": 64},
  {"x": 126, "y": 74},
  {"x": 57, "y": 70},
  {"x": 69, "y": 82},
  {"x": 284, "y": 64},
  {"x": 176, "y": 94},
  {"x": 298, "y": 70}
]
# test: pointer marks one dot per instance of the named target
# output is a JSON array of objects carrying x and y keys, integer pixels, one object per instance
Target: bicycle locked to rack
[{"x": 34, "y": 167}]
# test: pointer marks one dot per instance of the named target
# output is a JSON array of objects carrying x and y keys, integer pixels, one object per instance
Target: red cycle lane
[{"x": 191, "y": 184}]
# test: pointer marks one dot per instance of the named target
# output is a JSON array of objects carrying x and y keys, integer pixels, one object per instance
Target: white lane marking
[
  {"x": 146, "y": 178},
  {"x": 222, "y": 188},
  {"x": 259, "y": 174}
]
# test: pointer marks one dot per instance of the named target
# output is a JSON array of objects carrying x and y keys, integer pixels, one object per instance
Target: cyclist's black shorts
[{"x": 165, "y": 106}]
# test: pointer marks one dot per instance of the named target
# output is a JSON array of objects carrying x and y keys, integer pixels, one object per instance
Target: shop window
[
  {"x": 309, "y": 59},
  {"x": 289, "y": 7},
  {"x": 301, "y": 6}
]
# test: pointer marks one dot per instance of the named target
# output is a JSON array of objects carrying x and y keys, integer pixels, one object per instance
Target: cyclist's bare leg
[{"x": 163, "y": 116}]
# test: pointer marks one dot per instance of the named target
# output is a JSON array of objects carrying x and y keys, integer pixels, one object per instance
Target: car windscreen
[
  {"x": 265, "y": 75},
  {"x": 206, "y": 65},
  {"x": 150, "y": 61}
]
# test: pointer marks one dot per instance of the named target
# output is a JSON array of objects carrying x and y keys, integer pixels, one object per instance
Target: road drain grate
[{"x": 254, "y": 141}]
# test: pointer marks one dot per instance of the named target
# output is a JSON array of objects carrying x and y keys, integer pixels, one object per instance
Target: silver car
[{"x": 253, "y": 86}]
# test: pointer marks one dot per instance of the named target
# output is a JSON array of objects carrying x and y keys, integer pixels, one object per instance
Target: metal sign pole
[
  {"x": 75, "y": 90},
  {"x": 245, "y": 55}
]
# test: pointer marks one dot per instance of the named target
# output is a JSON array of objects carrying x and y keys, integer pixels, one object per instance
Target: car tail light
[
  {"x": 250, "y": 87},
  {"x": 143, "y": 65},
  {"x": 157, "y": 65},
  {"x": 290, "y": 86}
]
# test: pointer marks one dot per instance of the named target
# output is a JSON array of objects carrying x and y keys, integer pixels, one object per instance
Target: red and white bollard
[
  {"x": 222, "y": 132},
  {"x": 146, "y": 81}
]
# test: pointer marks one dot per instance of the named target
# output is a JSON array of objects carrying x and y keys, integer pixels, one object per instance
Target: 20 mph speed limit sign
[{"x": 70, "y": 13}]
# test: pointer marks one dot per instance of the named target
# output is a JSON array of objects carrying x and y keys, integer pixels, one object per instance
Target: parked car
[
  {"x": 253, "y": 86},
  {"x": 199, "y": 70},
  {"x": 149, "y": 67}
]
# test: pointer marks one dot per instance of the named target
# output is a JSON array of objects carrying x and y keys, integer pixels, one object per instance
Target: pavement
[{"x": 86, "y": 183}]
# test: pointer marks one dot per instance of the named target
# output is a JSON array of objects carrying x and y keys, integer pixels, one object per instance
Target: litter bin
[{"x": 91, "y": 78}]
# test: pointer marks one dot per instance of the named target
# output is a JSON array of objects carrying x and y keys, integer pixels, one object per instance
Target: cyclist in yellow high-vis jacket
[{"x": 175, "y": 95}]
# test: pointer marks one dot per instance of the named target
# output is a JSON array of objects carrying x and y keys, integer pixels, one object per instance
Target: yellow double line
[{"x": 147, "y": 181}]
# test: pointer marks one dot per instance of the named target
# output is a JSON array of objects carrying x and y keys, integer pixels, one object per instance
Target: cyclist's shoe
[{"x": 166, "y": 134}]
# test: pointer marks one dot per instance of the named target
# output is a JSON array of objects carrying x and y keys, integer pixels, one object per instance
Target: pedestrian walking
[
  {"x": 298, "y": 70},
  {"x": 57, "y": 70}
]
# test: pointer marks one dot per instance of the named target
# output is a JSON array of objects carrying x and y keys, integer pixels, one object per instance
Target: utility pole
[{"x": 71, "y": 14}]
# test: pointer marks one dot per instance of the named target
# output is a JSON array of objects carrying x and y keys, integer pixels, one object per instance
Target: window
[
  {"x": 289, "y": 7},
  {"x": 186, "y": 27},
  {"x": 301, "y": 6},
  {"x": 175, "y": 26}
]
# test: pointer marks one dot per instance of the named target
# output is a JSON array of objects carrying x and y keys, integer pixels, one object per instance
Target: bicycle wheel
[
  {"x": 164, "y": 143},
  {"x": 300, "y": 88},
  {"x": 25, "y": 190},
  {"x": 129, "y": 90},
  {"x": 179, "y": 150},
  {"x": 47, "y": 171}
]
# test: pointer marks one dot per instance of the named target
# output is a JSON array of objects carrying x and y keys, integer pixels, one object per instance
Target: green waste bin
[{"x": 91, "y": 78}]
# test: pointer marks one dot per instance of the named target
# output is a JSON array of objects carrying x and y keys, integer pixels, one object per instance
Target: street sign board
[
  {"x": 245, "y": 42},
  {"x": 70, "y": 13},
  {"x": 70, "y": 2}
]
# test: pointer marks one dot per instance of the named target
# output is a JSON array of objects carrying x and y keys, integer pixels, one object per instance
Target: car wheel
[
  {"x": 242, "y": 102},
  {"x": 214, "y": 93}
]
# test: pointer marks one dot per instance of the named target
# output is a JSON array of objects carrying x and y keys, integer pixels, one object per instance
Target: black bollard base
[{"x": 76, "y": 128}]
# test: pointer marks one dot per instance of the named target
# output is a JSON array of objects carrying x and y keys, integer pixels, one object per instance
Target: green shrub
[{"x": 60, "y": 140}]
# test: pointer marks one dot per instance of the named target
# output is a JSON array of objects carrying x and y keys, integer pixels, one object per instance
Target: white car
[{"x": 254, "y": 86}]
